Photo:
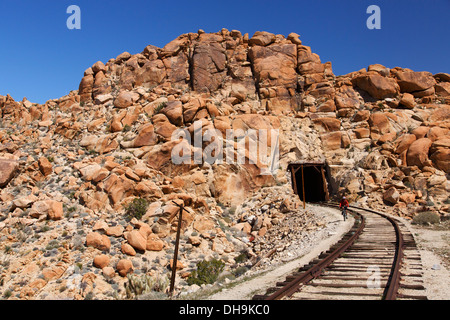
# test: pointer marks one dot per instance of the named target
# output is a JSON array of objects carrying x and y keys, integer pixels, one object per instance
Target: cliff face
[{"x": 80, "y": 159}]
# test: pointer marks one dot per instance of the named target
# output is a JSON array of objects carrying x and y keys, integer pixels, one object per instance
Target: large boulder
[
  {"x": 177, "y": 68},
  {"x": 332, "y": 140},
  {"x": 417, "y": 154},
  {"x": 45, "y": 166},
  {"x": 415, "y": 82},
  {"x": 8, "y": 169},
  {"x": 441, "y": 159},
  {"x": 275, "y": 73},
  {"x": 125, "y": 99},
  {"x": 327, "y": 124},
  {"x": 151, "y": 74},
  {"x": 347, "y": 97},
  {"x": 85, "y": 88},
  {"x": 124, "y": 267},
  {"x": 50, "y": 209},
  {"x": 391, "y": 196},
  {"x": 405, "y": 142},
  {"x": 154, "y": 243},
  {"x": 208, "y": 66},
  {"x": 376, "y": 85},
  {"x": 261, "y": 38},
  {"x": 443, "y": 89},
  {"x": 146, "y": 136},
  {"x": 136, "y": 240},
  {"x": 440, "y": 154},
  {"x": 379, "y": 123},
  {"x": 98, "y": 241},
  {"x": 174, "y": 112},
  {"x": 275, "y": 66},
  {"x": 407, "y": 100}
]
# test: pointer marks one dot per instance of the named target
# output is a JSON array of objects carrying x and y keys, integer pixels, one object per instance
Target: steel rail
[
  {"x": 393, "y": 283},
  {"x": 316, "y": 270}
]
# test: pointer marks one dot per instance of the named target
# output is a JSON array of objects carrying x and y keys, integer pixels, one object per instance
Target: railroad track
[{"x": 376, "y": 259}]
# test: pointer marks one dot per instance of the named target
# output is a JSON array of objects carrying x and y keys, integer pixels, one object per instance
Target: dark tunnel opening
[{"x": 313, "y": 177}]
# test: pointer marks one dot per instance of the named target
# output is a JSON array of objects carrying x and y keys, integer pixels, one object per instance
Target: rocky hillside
[{"x": 70, "y": 168}]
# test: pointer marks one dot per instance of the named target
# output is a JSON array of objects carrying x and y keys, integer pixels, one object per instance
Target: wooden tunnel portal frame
[{"x": 312, "y": 176}]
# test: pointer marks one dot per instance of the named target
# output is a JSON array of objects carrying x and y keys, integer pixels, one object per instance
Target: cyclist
[{"x": 344, "y": 205}]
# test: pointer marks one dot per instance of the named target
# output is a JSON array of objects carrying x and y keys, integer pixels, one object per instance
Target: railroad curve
[{"x": 376, "y": 259}]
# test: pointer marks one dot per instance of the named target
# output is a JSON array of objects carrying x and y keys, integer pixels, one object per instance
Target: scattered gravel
[
  {"x": 285, "y": 262},
  {"x": 433, "y": 246}
]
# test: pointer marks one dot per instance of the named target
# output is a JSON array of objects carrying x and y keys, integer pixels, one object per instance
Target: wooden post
[
  {"x": 325, "y": 184},
  {"x": 303, "y": 187},
  {"x": 294, "y": 182},
  {"x": 175, "y": 255}
]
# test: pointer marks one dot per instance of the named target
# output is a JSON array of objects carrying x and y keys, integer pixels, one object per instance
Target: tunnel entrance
[{"x": 309, "y": 181}]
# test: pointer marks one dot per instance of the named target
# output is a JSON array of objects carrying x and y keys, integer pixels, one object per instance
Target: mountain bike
[{"x": 344, "y": 212}]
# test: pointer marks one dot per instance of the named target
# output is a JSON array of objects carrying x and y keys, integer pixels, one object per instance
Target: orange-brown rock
[
  {"x": 124, "y": 267},
  {"x": 85, "y": 88},
  {"x": 99, "y": 241},
  {"x": 174, "y": 112},
  {"x": 152, "y": 73},
  {"x": 404, "y": 143},
  {"x": 125, "y": 99},
  {"x": 154, "y": 243},
  {"x": 118, "y": 187},
  {"x": 443, "y": 89},
  {"x": 127, "y": 249},
  {"x": 50, "y": 209},
  {"x": 327, "y": 106},
  {"x": 146, "y": 136},
  {"x": 163, "y": 127},
  {"x": 327, "y": 124},
  {"x": 407, "y": 197},
  {"x": 407, "y": 100},
  {"x": 208, "y": 66},
  {"x": 361, "y": 133},
  {"x": 332, "y": 140},
  {"x": 54, "y": 272},
  {"x": 45, "y": 166},
  {"x": 440, "y": 114},
  {"x": 101, "y": 144},
  {"x": 391, "y": 196},
  {"x": 274, "y": 68},
  {"x": 414, "y": 82},
  {"x": 379, "y": 123},
  {"x": 376, "y": 85},
  {"x": 98, "y": 66},
  {"x": 180, "y": 265},
  {"x": 420, "y": 132},
  {"x": 101, "y": 261},
  {"x": 261, "y": 38},
  {"x": 382, "y": 70},
  {"x": 347, "y": 97},
  {"x": 417, "y": 154},
  {"x": 136, "y": 240},
  {"x": 361, "y": 115},
  {"x": 436, "y": 133},
  {"x": 440, "y": 154},
  {"x": 8, "y": 169}
]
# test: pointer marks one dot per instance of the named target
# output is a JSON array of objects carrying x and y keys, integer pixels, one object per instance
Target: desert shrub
[
  {"x": 207, "y": 272},
  {"x": 137, "y": 208},
  {"x": 126, "y": 128},
  {"x": 426, "y": 217},
  {"x": 239, "y": 271},
  {"x": 145, "y": 284},
  {"x": 242, "y": 257},
  {"x": 159, "y": 108}
]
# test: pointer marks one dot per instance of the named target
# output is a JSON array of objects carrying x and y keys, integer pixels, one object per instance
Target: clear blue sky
[{"x": 41, "y": 59}]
